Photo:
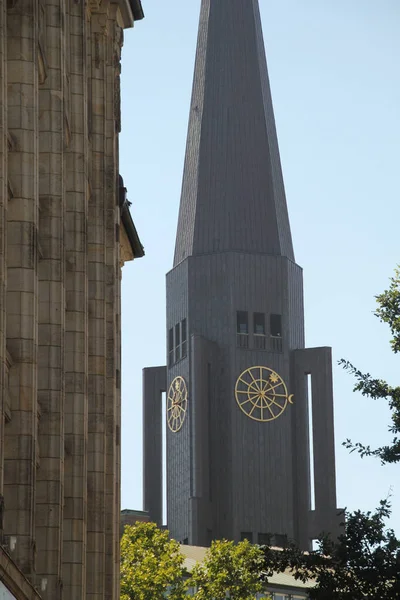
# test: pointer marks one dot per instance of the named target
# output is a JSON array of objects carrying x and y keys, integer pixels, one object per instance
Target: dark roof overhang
[
  {"x": 127, "y": 221},
  {"x": 137, "y": 10}
]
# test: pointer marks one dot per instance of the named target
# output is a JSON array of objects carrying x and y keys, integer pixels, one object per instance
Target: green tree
[
  {"x": 151, "y": 564},
  {"x": 364, "y": 564},
  {"x": 388, "y": 311},
  {"x": 229, "y": 568}
]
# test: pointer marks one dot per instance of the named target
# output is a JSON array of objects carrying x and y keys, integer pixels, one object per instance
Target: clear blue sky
[{"x": 334, "y": 67}]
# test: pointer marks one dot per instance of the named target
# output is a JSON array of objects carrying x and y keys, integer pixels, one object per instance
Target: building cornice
[
  {"x": 127, "y": 222},
  {"x": 131, "y": 11}
]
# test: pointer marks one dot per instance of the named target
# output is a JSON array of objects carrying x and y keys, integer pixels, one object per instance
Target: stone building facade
[{"x": 65, "y": 231}]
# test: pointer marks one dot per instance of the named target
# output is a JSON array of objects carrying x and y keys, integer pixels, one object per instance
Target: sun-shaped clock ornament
[
  {"x": 262, "y": 394},
  {"x": 177, "y": 404}
]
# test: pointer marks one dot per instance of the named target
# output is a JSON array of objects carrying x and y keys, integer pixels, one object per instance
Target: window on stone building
[
  {"x": 276, "y": 325},
  {"x": 242, "y": 329},
  {"x": 259, "y": 331},
  {"x": 264, "y": 539},
  {"x": 171, "y": 347},
  {"x": 177, "y": 342},
  {"x": 242, "y": 319},
  {"x": 184, "y": 338},
  {"x": 259, "y": 323},
  {"x": 275, "y": 328}
]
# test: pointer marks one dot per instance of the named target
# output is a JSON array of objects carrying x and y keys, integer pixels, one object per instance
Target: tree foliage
[
  {"x": 364, "y": 564},
  {"x": 151, "y": 564},
  {"x": 229, "y": 568},
  {"x": 388, "y": 312}
]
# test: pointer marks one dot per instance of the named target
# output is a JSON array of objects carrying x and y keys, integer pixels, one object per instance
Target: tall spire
[{"x": 233, "y": 196}]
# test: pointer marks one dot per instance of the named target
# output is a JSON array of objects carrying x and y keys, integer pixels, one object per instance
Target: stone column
[
  {"x": 21, "y": 452},
  {"x": 97, "y": 257},
  {"x": 3, "y": 233},
  {"x": 76, "y": 315},
  {"x": 53, "y": 51},
  {"x": 112, "y": 290}
]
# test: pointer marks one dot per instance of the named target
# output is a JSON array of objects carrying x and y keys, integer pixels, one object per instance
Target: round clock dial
[
  {"x": 262, "y": 394},
  {"x": 176, "y": 404}
]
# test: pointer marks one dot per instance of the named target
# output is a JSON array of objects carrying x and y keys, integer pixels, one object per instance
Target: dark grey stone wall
[
  {"x": 250, "y": 478},
  {"x": 227, "y": 473},
  {"x": 178, "y": 444}
]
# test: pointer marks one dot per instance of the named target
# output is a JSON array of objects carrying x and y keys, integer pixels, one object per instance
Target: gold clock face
[
  {"x": 177, "y": 404},
  {"x": 262, "y": 394}
]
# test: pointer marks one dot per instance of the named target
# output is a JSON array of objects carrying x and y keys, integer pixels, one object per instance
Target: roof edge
[
  {"x": 137, "y": 10},
  {"x": 127, "y": 221}
]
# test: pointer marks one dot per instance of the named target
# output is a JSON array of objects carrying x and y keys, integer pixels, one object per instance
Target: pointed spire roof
[{"x": 233, "y": 196}]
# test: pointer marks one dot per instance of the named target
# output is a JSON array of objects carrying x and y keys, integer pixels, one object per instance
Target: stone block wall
[{"x": 60, "y": 262}]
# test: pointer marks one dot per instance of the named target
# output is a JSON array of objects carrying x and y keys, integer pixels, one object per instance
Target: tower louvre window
[
  {"x": 171, "y": 347},
  {"x": 177, "y": 342},
  {"x": 184, "y": 338},
  {"x": 242, "y": 329},
  {"x": 276, "y": 325},
  {"x": 242, "y": 322},
  {"x": 259, "y": 331},
  {"x": 259, "y": 323}
]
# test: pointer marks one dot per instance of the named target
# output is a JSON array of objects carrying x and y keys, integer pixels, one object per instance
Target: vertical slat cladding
[
  {"x": 294, "y": 275},
  {"x": 323, "y": 433},
  {"x": 21, "y": 432},
  {"x": 179, "y": 443},
  {"x": 186, "y": 221},
  {"x": 301, "y": 454},
  {"x": 96, "y": 522},
  {"x": 3, "y": 227},
  {"x": 233, "y": 195},
  {"x": 50, "y": 475},
  {"x": 263, "y": 470},
  {"x": 318, "y": 363},
  {"x": 282, "y": 215},
  {"x": 76, "y": 361},
  {"x": 154, "y": 383}
]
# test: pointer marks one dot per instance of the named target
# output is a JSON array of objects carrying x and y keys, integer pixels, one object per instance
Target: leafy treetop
[
  {"x": 388, "y": 311},
  {"x": 364, "y": 564},
  {"x": 229, "y": 569},
  {"x": 151, "y": 564}
]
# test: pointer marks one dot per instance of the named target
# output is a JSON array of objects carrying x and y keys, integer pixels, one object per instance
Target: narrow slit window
[
  {"x": 242, "y": 322},
  {"x": 171, "y": 346},
  {"x": 259, "y": 323},
  {"x": 276, "y": 325},
  {"x": 184, "y": 338},
  {"x": 177, "y": 342}
]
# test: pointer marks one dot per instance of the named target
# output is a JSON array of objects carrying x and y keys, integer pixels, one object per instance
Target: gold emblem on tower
[
  {"x": 262, "y": 394},
  {"x": 176, "y": 404}
]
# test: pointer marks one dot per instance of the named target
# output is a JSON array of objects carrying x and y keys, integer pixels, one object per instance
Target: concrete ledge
[{"x": 14, "y": 580}]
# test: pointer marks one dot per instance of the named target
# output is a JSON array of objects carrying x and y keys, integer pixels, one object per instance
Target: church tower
[{"x": 239, "y": 440}]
